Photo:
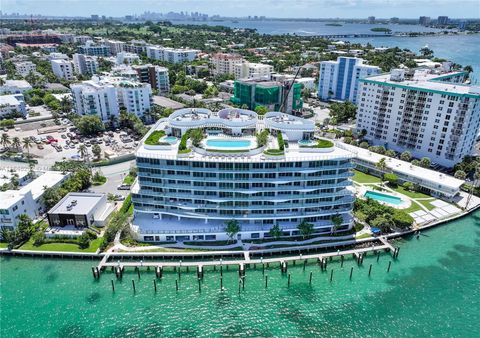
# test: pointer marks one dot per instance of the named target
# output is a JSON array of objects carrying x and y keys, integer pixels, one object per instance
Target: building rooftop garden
[{"x": 154, "y": 138}]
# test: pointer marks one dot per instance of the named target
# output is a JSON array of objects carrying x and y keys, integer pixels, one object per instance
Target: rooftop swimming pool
[
  {"x": 383, "y": 197},
  {"x": 228, "y": 143},
  {"x": 170, "y": 139}
]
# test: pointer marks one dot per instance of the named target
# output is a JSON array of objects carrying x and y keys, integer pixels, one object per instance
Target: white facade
[
  {"x": 115, "y": 46},
  {"x": 307, "y": 82},
  {"x": 171, "y": 55},
  {"x": 105, "y": 96},
  {"x": 127, "y": 58},
  {"x": 223, "y": 63},
  {"x": 15, "y": 87},
  {"x": 136, "y": 97},
  {"x": 339, "y": 80},
  {"x": 25, "y": 68},
  {"x": 191, "y": 196},
  {"x": 95, "y": 98},
  {"x": 63, "y": 69},
  {"x": 85, "y": 64},
  {"x": 162, "y": 80},
  {"x": 91, "y": 48},
  {"x": 10, "y": 104},
  {"x": 80, "y": 210},
  {"x": 249, "y": 70},
  {"x": 431, "y": 115},
  {"x": 28, "y": 199}
]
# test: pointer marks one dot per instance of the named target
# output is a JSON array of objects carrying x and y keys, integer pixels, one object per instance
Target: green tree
[
  {"x": 90, "y": 125},
  {"x": 381, "y": 164},
  {"x": 5, "y": 140},
  {"x": 342, "y": 112},
  {"x": 337, "y": 221},
  {"x": 232, "y": 228},
  {"x": 406, "y": 156},
  {"x": 391, "y": 179},
  {"x": 97, "y": 151},
  {"x": 363, "y": 145},
  {"x": 16, "y": 143},
  {"x": 425, "y": 162},
  {"x": 275, "y": 231},
  {"x": 261, "y": 110},
  {"x": 460, "y": 174},
  {"x": 305, "y": 228},
  {"x": 196, "y": 136}
]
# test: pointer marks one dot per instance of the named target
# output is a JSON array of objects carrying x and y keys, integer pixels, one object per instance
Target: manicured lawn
[
  {"x": 363, "y": 236},
  {"x": 69, "y": 247},
  {"x": 412, "y": 208},
  {"x": 361, "y": 177},
  {"x": 427, "y": 204},
  {"x": 128, "y": 179},
  {"x": 411, "y": 194},
  {"x": 3, "y": 245}
]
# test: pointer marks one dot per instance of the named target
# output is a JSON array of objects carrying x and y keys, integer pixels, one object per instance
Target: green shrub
[
  {"x": 83, "y": 240},
  {"x": 281, "y": 142},
  {"x": 392, "y": 179},
  {"x": 153, "y": 138},
  {"x": 401, "y": 219}
]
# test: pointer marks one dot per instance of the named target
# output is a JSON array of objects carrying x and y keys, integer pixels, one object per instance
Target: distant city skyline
[{"x": 269, "y": 8}]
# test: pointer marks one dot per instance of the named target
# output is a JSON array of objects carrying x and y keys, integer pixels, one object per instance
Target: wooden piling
[
  {"x": 378, "y": 255},
  {"x": 176, "y": 285},
  {"x": 133, "y": 284},
  {"x": 311, "y": 274},
  {"x": 351, "y": 272},
  {"x": 93, "y": 273},
  {"x": 389, "y": 265},
  {"x": 155, "y": 285},
  {"x": 288, "y": 284},
  {"x": 113, "y": 285},
  {"x": 221, "y": 283},
  {"x": 341, "y": 260},
  {"x": 199, "y": 285},
  {"x": 266, "y": 282},
  {"x": 331, "y": 275},
  {"x": 370, "y": 270}
]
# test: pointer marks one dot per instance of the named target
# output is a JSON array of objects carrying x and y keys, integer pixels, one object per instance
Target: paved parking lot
[{"x": 65, "y": 143}]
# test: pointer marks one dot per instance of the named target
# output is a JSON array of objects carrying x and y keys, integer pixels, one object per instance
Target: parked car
[{"x": 124, "y": 187}]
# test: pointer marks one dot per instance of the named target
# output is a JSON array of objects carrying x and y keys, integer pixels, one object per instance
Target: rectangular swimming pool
[
  {"x": 229, "y": 144},
  {"x": 383, "y": 197}
]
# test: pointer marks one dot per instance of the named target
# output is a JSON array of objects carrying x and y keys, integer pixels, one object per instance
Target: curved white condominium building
[{"x": 199, "y": 170}]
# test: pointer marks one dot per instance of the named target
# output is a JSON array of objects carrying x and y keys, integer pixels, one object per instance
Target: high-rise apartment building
[
  {"x": 428, "y": 113},
  {"x": 339, "y": 80}
]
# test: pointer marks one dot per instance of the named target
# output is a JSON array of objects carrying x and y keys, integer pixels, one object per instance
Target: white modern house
[
  {"x": 63, "y": 69},
  {"x": 85, "y": 64},
  {"x": 27, "y": 199},
  {"x": 191, "y": 194},
  {"x": 339, "y": 80},
  {"x": 10, "y": 104},
  {"x": 80, "y": 210},
  {"x": 15, "y": 87},
  {"x": 429, "y": 113}
]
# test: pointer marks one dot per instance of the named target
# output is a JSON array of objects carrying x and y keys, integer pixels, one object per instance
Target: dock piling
[
  {"x": 288, "y": 284},
  {"x": 113, "y": 285},
  {"x": 133, "y": 284},
  {"x": 176, "y": 285},
  {"x": 310, "y": 281},
  {"x": 155, "y": 285},
  {"x": 351, "y": 272},
  {"x": 370, "y": 270},
  {"x": 389, "y": 265},
  {"x": 331, "y": 276},
  {"x": 266, "y": 282}
]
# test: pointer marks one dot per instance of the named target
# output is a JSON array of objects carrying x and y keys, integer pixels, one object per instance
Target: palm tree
[
  {"x": 16, "y": 143},
  {"x": 66, "y": 104},
  {"x": 5, "y": 140},
  {"x": 381, "y": 165},
  {"x": 27, "y": 144},
  {"x": 83, "y": 151}
]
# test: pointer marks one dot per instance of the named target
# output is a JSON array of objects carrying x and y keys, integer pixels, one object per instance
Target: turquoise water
[
  {"x": 305, "y": 142},
  {"x": 432, "y": 290},
  {"x": 383, "y": 197},
  {"x": 170, "y": 139},
  {"x": 219, "y": 143}
]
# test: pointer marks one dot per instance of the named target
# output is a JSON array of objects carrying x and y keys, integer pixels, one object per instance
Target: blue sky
[{"x": 270, "y": 8}]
